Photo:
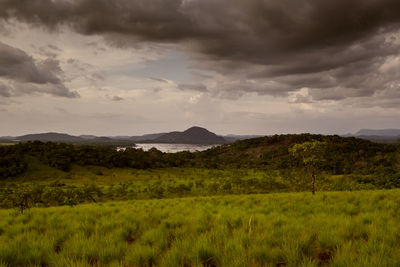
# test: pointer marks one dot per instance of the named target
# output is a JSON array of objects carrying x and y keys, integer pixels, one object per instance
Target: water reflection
[{"x": 173, "y": 148}]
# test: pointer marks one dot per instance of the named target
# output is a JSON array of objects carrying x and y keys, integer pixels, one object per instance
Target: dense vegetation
[
  {"x": 289, "y": 229},
  {"x": 340, "y": 156},
  {"x": 99, "y": 184},
  {"x": 39, "y": 174}
]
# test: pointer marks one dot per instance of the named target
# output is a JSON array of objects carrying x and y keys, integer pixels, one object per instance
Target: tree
[
  {"x": 20, "y": 197},
  {"x": 310, "y": 153}
]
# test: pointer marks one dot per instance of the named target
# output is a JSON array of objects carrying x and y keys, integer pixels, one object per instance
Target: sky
[{"x": 131, "y": 67}]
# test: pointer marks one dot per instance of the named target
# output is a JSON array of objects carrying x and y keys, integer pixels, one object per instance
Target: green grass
[
  {"x": 128, "y": 183},
  {"x": 39, "y": 172},
  {"x": 288, "y": 229},
  {"x": 275, "y": 180},
  {"x": 139, "y": 183}
]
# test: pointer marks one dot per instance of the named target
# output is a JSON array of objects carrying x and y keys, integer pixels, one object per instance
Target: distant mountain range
[
  {"x": 193, "y": 135},
  {"x": 146, "y": 137},
  {"x": 377, "y": 135},
  {"x": 49, "y": 137},
  {"x": 66, "y": 138},
  {"x": 382, "y": 132},
  {"x": 235, "y": 137}
]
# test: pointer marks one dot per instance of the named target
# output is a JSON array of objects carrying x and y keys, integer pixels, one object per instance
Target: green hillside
[
  {"x": 53, "y": 174},
  {"x": 339, "y": 155}
]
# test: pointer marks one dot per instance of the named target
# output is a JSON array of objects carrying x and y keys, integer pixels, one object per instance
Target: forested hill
[{"x": 338, "y": 155}]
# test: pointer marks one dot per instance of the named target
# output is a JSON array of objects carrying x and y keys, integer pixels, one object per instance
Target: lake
[{"x": 173, "y": 148}]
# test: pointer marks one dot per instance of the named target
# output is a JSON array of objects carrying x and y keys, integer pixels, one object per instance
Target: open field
[{"x": 287, "y": 229}]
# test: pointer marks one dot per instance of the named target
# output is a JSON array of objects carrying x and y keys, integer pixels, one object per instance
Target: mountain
[
  {"x": 50, "y": 137},
  {"x": 377, "y": 135},
  {"x": 5, "y": 140},
  {"x": 194, "y": 135},
  {"x": 235, "y": 137},
  {"x": 120, "y": 137},
  {"x": 80, "y": 140},
  {"x": 378, "y": 132},
  {"x": 146, "y": 137},
  {"x": 102, "y": 139},
  {"x": 87, "y": 136},
  {"x": 7, "y": 137}
]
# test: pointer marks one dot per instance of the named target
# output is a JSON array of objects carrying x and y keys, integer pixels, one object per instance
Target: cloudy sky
[{"x": 128, "y": 67}]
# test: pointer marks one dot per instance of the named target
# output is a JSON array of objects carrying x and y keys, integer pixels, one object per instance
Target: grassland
[
  {"x": 287, "y": 229},
  {"x": 66, "y": 205},
  {"x": 128, "y": 183},
  {"x": 278, "y": 180}
]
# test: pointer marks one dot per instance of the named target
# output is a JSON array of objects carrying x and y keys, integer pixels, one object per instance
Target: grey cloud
[
  {"x": 235, "y": 87},
  {"x": 336, "y": 48},
  {"x": 49, "y": 51},
  {"x": 98, "y": 76},
  {"x": 3, "y": 30},
  {"x": 158, "y": 80},
  {"x": 4, "y": 90},
  {"x": 13, "y": 88},
  {"x": 201, "y": 75},
  {"x": 76, "y": 63},
  {"x": 24, "y": 75},
  {"x": 92, "y": 44},
  {"x": 298, "y": 98},
  {"x": 157, "y": 89},
  {"x": 250, "y": 30},
  {"x": 72, "y": 61},
  {"x": 388, "y": 98},
  {"x": 54, "y": 47},
  {"x": 117, "y": 98},
  {"x": 193, "y": 87},
  {"x": 17, "y": 65}
]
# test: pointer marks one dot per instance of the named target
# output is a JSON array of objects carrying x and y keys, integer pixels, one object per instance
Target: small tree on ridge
[{"x": 310, "y": 154}]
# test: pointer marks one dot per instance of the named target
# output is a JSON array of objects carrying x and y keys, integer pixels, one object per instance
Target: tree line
[{"x": 338, "y": 156}]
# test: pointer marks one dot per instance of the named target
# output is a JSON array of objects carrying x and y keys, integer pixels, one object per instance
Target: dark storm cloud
[
  {"x": 17, "y": 65},
  {"x": 24, "y": 75},
  {"x": 336, "y": 48}
]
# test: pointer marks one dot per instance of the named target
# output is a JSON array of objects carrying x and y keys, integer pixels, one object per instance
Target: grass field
[
  {"x": 142, "y": 184},
  {"x": 287, "y": 229}
]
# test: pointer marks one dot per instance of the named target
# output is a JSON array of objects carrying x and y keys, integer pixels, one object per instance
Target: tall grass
[
  {"x": 288, "y": 229},
  {"x": 126, "y": 183}
]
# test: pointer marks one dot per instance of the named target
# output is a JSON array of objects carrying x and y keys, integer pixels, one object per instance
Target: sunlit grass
[
  {"x": 6, "y": 144},
  {"x": 289, "y": 229},
  {"x": 39, "y": 172}
]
